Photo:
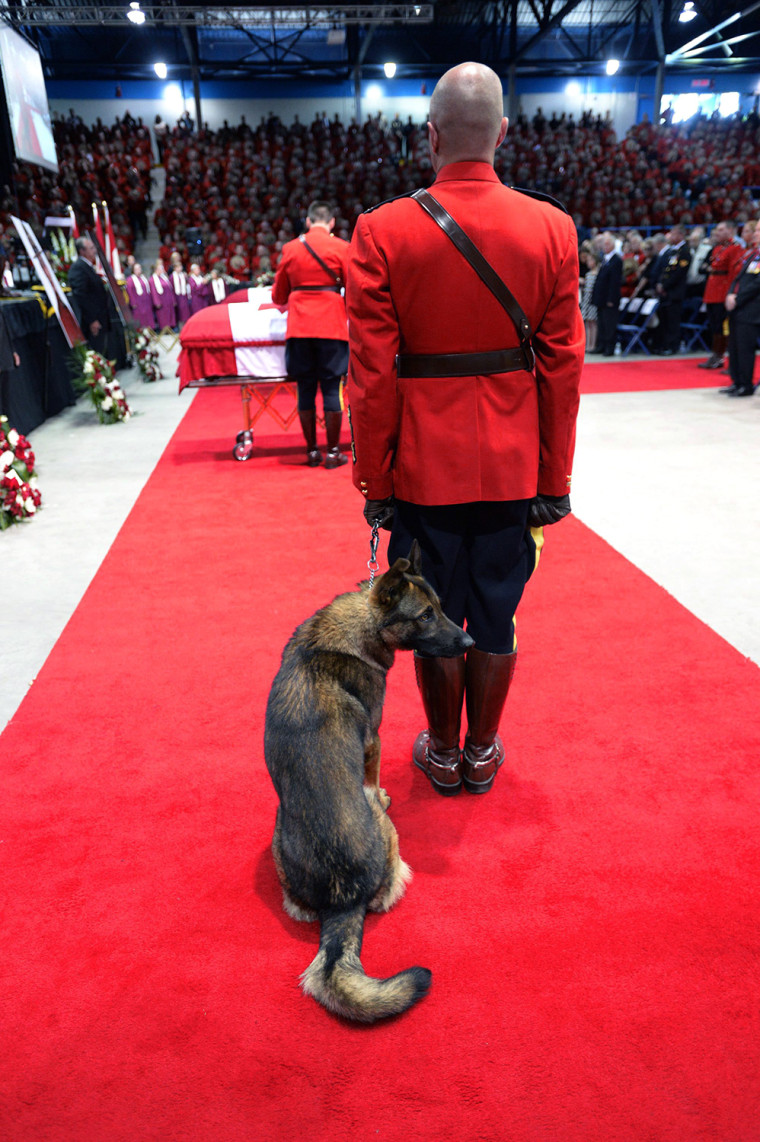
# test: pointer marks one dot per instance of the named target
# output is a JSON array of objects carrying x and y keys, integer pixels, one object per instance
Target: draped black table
[{"x": 40, "y": 386}]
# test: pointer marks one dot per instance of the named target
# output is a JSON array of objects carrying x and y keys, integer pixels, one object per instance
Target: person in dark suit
[
  {"x": 743, "y": 306},
  {"x": 90, "y": 296},
  {"x": 606, "y": 296},
  {"x": 671, "y": 290}
]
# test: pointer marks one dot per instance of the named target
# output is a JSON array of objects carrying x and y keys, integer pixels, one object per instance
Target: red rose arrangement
[
  {"x": 147, "y": 356},
  {"x": 19, "y": 497},
  {"x": 98, "y": 380}
]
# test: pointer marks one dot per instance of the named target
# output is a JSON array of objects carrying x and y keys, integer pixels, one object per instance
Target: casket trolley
[{"x": 240, "y": 341}]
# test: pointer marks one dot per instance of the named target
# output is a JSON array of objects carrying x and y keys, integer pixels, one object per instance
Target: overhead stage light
[
  {"x": 612, "y": 66},
  {"x": 160, "y": 70},
  {"x": 389, "y": 69},
  {"x": 687, "y": 12},
  {"x": 135, "y": 14}
]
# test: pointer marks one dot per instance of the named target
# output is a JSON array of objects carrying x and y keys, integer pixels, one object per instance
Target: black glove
[
  {"x": 548, "y": 509},
  {"x": 380, "y": 510}
]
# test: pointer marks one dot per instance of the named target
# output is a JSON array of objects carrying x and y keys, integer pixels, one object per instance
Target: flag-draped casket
[{"x": 243, "y": 336}]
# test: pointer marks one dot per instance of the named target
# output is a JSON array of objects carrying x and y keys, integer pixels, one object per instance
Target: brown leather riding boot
[
  {"x": 334, "y": 457},
  {"x": 436, "y": 750},
  {"x": 488, "y": 678},
  {"x": 308, "y": 418}
]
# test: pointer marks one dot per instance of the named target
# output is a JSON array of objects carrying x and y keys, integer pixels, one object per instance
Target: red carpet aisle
[
  {"x": 591, "y": 924},
  {"x": 648, "y": 374}
]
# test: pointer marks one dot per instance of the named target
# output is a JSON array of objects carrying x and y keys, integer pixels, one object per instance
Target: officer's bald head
[{"x": 466, "y": 115}]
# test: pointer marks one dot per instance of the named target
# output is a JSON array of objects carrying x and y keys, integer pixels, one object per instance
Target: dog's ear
[
  {"x": 415, "y": 558},
  {"x": 390, "y": 586}
]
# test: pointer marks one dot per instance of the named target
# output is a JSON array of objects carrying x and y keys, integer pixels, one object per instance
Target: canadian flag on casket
[{"x": 243, "y": 336}]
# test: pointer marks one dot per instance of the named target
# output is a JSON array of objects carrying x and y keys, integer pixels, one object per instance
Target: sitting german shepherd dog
[{"x": 334, "y": 846}]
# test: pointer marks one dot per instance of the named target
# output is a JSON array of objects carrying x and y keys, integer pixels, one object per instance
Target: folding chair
[
  {"x": 638, "y": 313},
  {"x": 693, "y": 325}
]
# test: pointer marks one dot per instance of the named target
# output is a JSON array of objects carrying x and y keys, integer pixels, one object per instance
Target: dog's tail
[{"x": 337, "y": 980}]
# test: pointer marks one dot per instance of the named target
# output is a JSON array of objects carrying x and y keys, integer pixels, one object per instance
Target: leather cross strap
[
  {"x": 482, "y": 267},
  {"x": 335, "y": 277}
]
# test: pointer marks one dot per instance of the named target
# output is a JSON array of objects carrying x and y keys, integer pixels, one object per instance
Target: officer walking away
[
  {"x": 463, "y": 399},
  {"x": 743, "y": 305},
  {"x": 309, "y": 280},
  {"x": 671, "y": 290},
  {"x": 90, "y": 297}
]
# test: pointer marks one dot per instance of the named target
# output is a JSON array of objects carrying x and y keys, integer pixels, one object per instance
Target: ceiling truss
[{"x": 561, "y": 37}]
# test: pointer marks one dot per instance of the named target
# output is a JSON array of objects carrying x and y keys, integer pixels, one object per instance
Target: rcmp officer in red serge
[
  {"x": 309, "y": 280},
  {"x": 460, "y": 439},
  {"x": 725, "y": 260},
  {"x": 743, "y": 305}
]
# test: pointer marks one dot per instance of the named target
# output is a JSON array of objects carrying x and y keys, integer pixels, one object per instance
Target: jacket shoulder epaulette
[
  {"x": 385, "y": 201},
  {"x": 541, "y": 197}
]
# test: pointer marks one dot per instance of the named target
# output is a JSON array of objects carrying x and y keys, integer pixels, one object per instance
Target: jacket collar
[{"x": 467, "y": 170}]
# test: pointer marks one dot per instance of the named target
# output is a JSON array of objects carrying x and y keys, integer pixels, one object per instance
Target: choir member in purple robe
[
  {"x": 140, "y": 300},
  {"x": 199, "y": 288},
  {"x": 217, "y": 286},
  {"x": 163, "y": 297},
  {"x": 181, "y": 287}
]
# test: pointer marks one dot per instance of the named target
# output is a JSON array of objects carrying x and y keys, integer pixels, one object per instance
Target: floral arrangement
[
  {"x": 19, "y": 497},
  {"x": 265, "y": 279},
  {"x": 147, "y": 356},
  {"x": 97, "y": 378},
  {"x": 62, "y": 254}
]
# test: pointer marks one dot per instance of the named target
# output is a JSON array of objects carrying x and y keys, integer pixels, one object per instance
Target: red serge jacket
[
  {"x": 725, "y": 263},
  {"x": 447, "y": 440},
  {"x": 313, "y": 312}
]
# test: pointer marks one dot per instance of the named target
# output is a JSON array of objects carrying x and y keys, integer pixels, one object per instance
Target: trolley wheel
[
  {"x": 243, "y": 450},
  {"x": 245, "y": 437}
]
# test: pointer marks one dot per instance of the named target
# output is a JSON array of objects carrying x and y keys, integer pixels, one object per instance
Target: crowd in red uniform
[
  {"x": 246, "y": 189},
  {"x": 96, "y": 164}
]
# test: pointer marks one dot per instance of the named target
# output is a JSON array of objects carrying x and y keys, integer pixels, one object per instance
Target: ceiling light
[
  {"x": 135, "y": 14},
  {"x": 612, "y": 66},
  {"x": 389, "y": 69},
  {"x": 160, "y": 70},
  {"x": 174, "y": 99},
  {"x": 687, "y": 12}
]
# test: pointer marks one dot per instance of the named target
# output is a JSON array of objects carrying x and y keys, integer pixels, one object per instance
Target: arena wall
[{"x": 627, "y": 98}]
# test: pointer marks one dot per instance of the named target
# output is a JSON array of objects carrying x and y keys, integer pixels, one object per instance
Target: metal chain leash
[{"x": 372, "y": 563}]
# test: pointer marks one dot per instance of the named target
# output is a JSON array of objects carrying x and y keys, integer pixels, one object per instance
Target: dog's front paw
[{"x": 384, "y": 798}]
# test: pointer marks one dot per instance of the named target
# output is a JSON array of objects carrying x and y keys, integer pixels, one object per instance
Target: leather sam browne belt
[
  {"x": 317, "y": 289},
  {"x": 471, "y": 364},
  {"x": 464, "y": 364}
]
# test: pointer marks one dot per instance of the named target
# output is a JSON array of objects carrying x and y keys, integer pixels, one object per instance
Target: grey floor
[{"x": 670, "y": 479}]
